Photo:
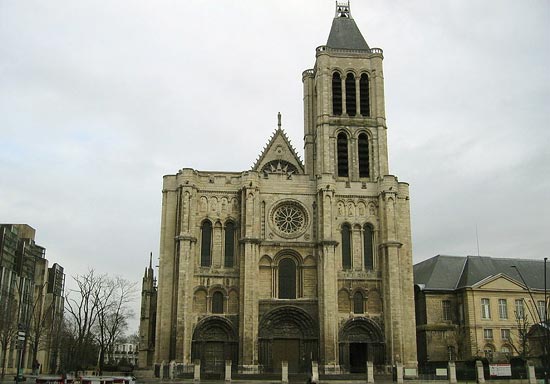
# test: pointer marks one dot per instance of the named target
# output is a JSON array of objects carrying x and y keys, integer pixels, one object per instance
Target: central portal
[
  {"x": 286, "y": 350},
  {"x": 358, "y": 357},
  {"x": 287, "y": 333}
]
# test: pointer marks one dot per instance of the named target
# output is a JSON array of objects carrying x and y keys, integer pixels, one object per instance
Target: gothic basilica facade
[{"x": 293, "y": 261}]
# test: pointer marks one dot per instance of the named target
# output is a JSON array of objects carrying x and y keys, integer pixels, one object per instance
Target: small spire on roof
[
  {"x": 343, "y": 9},
  {"x": 279, "y": 120},
  {"x": 151, "y": 260}
]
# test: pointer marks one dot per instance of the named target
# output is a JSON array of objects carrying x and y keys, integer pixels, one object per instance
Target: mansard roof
[
  {"x": 279, "y": 156},
  {"x": 344, "y": 33},
  {"x": 444, "y": 272}
]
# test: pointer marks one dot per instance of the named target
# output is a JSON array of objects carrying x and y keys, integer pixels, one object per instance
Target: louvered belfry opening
[
  {"x": 363, "y": 149},
  {"x": 351, "y": 105},
  {"x": 336, "y": 94},
  {"x": 364, "y": 95},
  {"x": 342, "y": 152}
]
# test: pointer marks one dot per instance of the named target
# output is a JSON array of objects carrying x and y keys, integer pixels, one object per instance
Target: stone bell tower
[{"x": 364, "y": 233}]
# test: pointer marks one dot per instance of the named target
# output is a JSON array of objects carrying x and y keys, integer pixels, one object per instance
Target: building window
[
  {"x": 217, "y": 302},
  {"x": 541, "y": 307},
  {"x": 351, "y": 106},
  {"x": 287, "y": 279},
  {"x": 485, "y": 309},
  {"x": 342, "y": 154},
  {"x": 363, "y": 152},
  {"x": 488, "y": 334},
  {"x": 368, "y": 237},
  {"x": 505, "y": 334},
  {"x": 502, "y": 309},
  {"x": 446, "y": 304},
  {"x": 229, "y": 244},
  {"x": 520, "y": 313},
  {"x": 336, "y": 94},
  {"x": 346, "y": 246},
  {"x": 364, "y": 95},
  {"x": 358, "y": 302},
  {"x": 206, "y": 244},
  {"x": 489, "y": 351}
]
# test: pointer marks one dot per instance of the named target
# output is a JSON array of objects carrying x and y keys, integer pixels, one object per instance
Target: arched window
[
  {"x": 364, "y": 95},
  {"x": 351, "y": 106},
  {"x": 206, "y": 244},
  {"x": 217, "y": 302},
  {"x": 336, "y": 94},
  {"x": 368, "y": 252},
  {"x": 287, "y": 279},
  {"x": 358, "y": 302},
  {"x": 346, "y": 246},
  {"x": 229, "y": 244},
  {"x": 342, "y": 154},
  {"x": 363, "y": 151}
]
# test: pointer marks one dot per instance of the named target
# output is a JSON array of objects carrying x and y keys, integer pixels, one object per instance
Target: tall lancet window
[
  {"x": 364, "y": 95},
  {"x": 342, "y": 154},
  {"x": 346, "y": 246},
  {"x": 358, "y": 303},
  {"x": 368, "y": 251},
  {"x": 351, "y": 106},
  {"x": 206, "y": 243},
  {"x": 217, "y": 302},
  {"x": 229, "y": 244},
  {"x": 336, "y": 94},
  {"x": 363, "y": 152},
  {"x": 287, "y": 279}
]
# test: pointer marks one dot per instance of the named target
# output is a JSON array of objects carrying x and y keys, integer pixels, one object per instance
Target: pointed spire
[
  {"x": 151, "y": 260},
  {"x": 279, "y": 120},
  {"x": 344, "y": 33}
]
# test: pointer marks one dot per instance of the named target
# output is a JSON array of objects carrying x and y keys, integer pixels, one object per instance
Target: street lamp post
[{"x": 20, "y": 342}]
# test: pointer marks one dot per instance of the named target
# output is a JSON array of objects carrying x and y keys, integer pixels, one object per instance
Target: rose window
[{"x": 289, "y": 219}]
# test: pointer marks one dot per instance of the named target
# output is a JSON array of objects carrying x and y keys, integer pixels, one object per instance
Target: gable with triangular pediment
[
  {"x": 279, "y": 157},
  {"x": 500, "y": 282}
]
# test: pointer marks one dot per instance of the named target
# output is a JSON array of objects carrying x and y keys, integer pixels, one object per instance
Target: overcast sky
[{"x": 100, "y": 99}]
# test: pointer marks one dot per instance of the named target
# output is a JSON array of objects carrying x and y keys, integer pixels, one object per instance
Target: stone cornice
[
  {"x": 190, "y": 238},
  {"x": 389, "y": 244},
  {"x": 274, "y": 243},
  {"x": 250, "y": 240}
]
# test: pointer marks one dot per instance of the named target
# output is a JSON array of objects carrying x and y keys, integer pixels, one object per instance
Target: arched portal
[
  {"x": 361, "y": 340},
  {"x": 290, "y": 334},
  {"x": 214, "y": 341}
]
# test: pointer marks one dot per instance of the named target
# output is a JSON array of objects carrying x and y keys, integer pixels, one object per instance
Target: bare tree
[
  {"x": 522, "y": 346},
  {"x": 8, "y": 324},
  {"x": 113, "y": 314},
  {"x": 82, "y": 308},
  {"x": 38, "y": 315},
  {"x": 96, "y": 316}
]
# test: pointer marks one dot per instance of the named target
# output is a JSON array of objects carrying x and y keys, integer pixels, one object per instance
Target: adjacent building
[
  {"x": 31, "y": 298},
  {"x": 478, "y": 306},
  {"x": 293, "y": 261}
]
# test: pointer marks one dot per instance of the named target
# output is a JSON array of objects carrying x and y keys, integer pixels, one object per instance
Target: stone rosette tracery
[{"x": 289, "y": 218}]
